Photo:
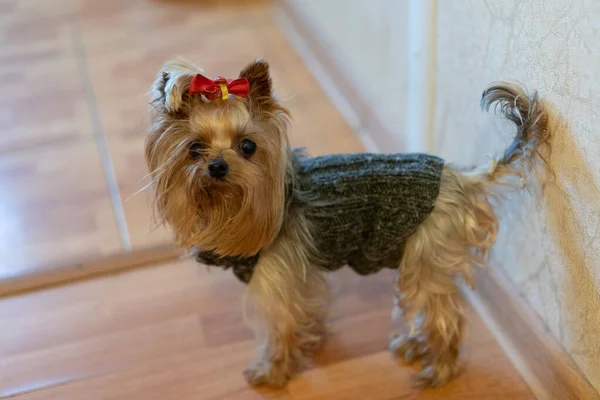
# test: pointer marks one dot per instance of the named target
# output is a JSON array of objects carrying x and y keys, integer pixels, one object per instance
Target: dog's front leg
[{"x": 284, "y": 305}]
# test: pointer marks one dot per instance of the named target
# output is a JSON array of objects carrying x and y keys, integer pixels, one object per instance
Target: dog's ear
[
  {"x": 261, "y": 85},
  {"x": 170, "y": 88}
]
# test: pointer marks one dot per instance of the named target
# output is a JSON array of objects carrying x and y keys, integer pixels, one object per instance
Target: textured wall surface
[
  {"x": 368, "y": 41},
  {"x": 550, "y": 249},
  {"x": 549, "y": 245}
]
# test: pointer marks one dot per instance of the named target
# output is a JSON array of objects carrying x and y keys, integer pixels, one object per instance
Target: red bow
[{"x": 220, "y": 87}]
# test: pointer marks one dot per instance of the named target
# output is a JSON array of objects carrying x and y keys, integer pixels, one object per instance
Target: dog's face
[{"x": 218, "y": 168}]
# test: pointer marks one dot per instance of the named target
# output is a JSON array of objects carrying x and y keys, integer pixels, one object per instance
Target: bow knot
[{"x": 220, "y": 87}]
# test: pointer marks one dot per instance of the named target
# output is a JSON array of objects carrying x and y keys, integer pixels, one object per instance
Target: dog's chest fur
[{"x": 360, "y": 209}]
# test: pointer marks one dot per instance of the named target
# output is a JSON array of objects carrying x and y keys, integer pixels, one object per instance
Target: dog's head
[{"x": 218, "y": 166}]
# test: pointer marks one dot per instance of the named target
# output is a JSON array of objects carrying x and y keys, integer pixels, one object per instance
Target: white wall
[
  {"x": 550, "y": 247},
  {"x": 368, "y": 41}
]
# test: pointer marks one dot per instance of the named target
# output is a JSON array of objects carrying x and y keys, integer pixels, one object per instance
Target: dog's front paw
[
  {"x": 436, "y": 374},
  {"x": 410, "y": 348},
  {"x": 269, "y": 373},
  {"x": 311, "y": 338},
  {"x": 437, "y": 370}
]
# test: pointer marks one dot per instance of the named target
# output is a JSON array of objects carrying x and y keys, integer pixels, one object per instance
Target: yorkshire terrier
[{"x": 237, "y": 196}]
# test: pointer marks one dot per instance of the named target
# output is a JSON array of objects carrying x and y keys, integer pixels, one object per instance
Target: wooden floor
[
  {"x": 74, "y": 74},
  {"x": 175, "y": 332}
]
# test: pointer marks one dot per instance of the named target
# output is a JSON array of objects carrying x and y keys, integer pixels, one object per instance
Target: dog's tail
[{"x": 530, "y": 115}]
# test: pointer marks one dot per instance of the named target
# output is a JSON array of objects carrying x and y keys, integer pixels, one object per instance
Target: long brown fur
[
  {"x": 286, "y": 304},
  {"x": 237, "y": 216},
  {"x": 287, "y": 297}
]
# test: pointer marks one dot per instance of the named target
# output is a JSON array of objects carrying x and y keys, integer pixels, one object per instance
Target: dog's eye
[
  {"x": 195, "y": 149},
  {"x": 248, "y": 147}
]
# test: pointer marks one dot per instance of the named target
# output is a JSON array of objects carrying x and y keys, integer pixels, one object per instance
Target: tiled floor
[
  {"x": 74, "y": 76},
  {"x": 175, "y": 332}
]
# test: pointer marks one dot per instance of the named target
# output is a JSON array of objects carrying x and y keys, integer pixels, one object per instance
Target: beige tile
[
  {"x": 127, "y": 151},
  {"x": 55, "y": 208},
  {"x": 176, "y": 332},
  {"x": 43, "y": 103},
  {"x": 146, "y": 24},
  {"x": 55, "y": 205},
  {"x": 33, "y": 28},
  {"x": 111, "y": 352}
]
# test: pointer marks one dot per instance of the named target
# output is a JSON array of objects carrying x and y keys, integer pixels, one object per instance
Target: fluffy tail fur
[
  {"x": 530, "y": 115},
  {"x": 458, "y": 235}
]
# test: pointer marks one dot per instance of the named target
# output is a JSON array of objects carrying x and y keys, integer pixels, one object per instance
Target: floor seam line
[{"x": 99, "y": 133}]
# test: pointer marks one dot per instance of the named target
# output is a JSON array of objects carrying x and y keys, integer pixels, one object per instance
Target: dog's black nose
[{"x": 218, "y": 168}]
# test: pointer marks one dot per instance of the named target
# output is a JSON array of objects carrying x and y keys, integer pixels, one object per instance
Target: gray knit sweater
[{"x": 361, "y": 209}]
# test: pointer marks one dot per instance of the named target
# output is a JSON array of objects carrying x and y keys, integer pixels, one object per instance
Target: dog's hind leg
[{"x": 438, "y": 256}]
